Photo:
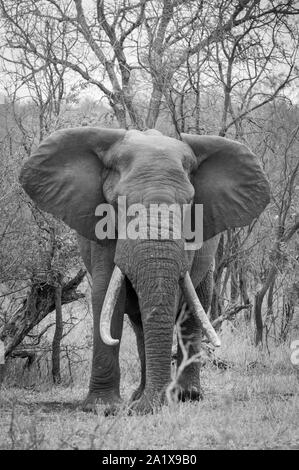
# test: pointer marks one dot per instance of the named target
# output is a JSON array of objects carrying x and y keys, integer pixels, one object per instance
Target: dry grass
[{"x": 254, "y": 404}]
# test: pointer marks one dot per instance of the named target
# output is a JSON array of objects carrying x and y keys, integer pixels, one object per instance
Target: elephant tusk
[
  {"x": 109, "y": 305},
  {"x": 194, "y": 303}
]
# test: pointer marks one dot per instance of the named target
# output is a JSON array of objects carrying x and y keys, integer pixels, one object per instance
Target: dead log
[
  {"x": 39, "y": 302},
  {"x": 28, "y": 354},
  {"x": 229, "y": 314}
]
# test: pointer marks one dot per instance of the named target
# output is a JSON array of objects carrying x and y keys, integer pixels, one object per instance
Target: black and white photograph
[{"x": 149, "y": 228}]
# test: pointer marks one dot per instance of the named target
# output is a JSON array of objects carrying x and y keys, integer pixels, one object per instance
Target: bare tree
[
  {"x": 285, "y": 201},
  {"x": 111, "y": 45},
  {"x": 35, "y": 250}
]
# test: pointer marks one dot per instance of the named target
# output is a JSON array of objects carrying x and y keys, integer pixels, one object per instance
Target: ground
[{"x": 253, "y": 404}]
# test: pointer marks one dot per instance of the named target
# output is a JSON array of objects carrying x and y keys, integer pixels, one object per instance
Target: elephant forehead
[
  {"x": 155, "y": 143},
  {"x": 149, "y": 145}
]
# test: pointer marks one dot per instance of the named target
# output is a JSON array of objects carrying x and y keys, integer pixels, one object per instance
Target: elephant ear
[
  {"x": 64, "y": 175},
  {"x": 228, "y": 181}
]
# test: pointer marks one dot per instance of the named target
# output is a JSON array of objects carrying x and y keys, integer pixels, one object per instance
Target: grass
[{"x": 253, "y": 404}]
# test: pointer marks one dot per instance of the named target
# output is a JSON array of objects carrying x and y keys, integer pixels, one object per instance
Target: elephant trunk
[
  {"x": 154, "y": 268},
  {"x": 158, "y": 266}
]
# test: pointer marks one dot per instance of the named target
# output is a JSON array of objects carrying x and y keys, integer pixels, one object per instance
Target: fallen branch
[
  {"x": 28, "y": 354},
  {"x": 229, "y": 314},
  {"x": 39, "y": 302}
]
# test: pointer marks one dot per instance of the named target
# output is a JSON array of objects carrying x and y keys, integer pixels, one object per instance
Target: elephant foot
[
  {"x": 108, "y": 405},
  {"x": 188, "y": 387},
  {"x": 147, "y": 403},
  {"x": 193, "y": 393}
]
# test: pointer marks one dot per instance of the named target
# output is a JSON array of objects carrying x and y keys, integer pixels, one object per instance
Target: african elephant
[{"x": 74, "y": 170}]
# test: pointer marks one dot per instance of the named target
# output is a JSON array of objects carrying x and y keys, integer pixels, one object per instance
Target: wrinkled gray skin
[{"x": 74, "y": 170}]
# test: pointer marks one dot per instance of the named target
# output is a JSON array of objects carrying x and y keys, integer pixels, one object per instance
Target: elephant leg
[
  {"x": 205, "y": 289},
  {"x": 133, "y": 312},
  {"x": 105, "y": 374},
  {"x": 190, "y": 335}
]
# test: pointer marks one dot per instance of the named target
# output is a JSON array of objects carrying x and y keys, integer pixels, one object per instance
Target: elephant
[{"x": 74, "y": 170}]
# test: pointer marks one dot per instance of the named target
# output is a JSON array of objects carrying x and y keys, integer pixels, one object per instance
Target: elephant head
[{"x": 75, "y": 170}]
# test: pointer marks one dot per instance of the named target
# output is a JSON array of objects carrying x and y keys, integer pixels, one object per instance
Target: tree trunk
[
  {"x": 270, "y": 319},
  {"x": 294, "y": 329},
  {"x": 258, "y": 317},
  {"x": 294, "y": 304},
  {"x": 219, "y": 267},
  {"x": 154, "y": 107},
  {"x": 234, "y": 291},
  {"x": 259, "y": 297},
  {"x": 233, "y": 239},
  {"x": 244, "y": 293},
  {"x": 57, "y": 337},
  {"x": 288, "y": 310},
  {"x": 2, "y": 364}
]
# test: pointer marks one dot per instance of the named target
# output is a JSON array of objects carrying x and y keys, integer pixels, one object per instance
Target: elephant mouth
[{"x": 189, "y": 293}]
